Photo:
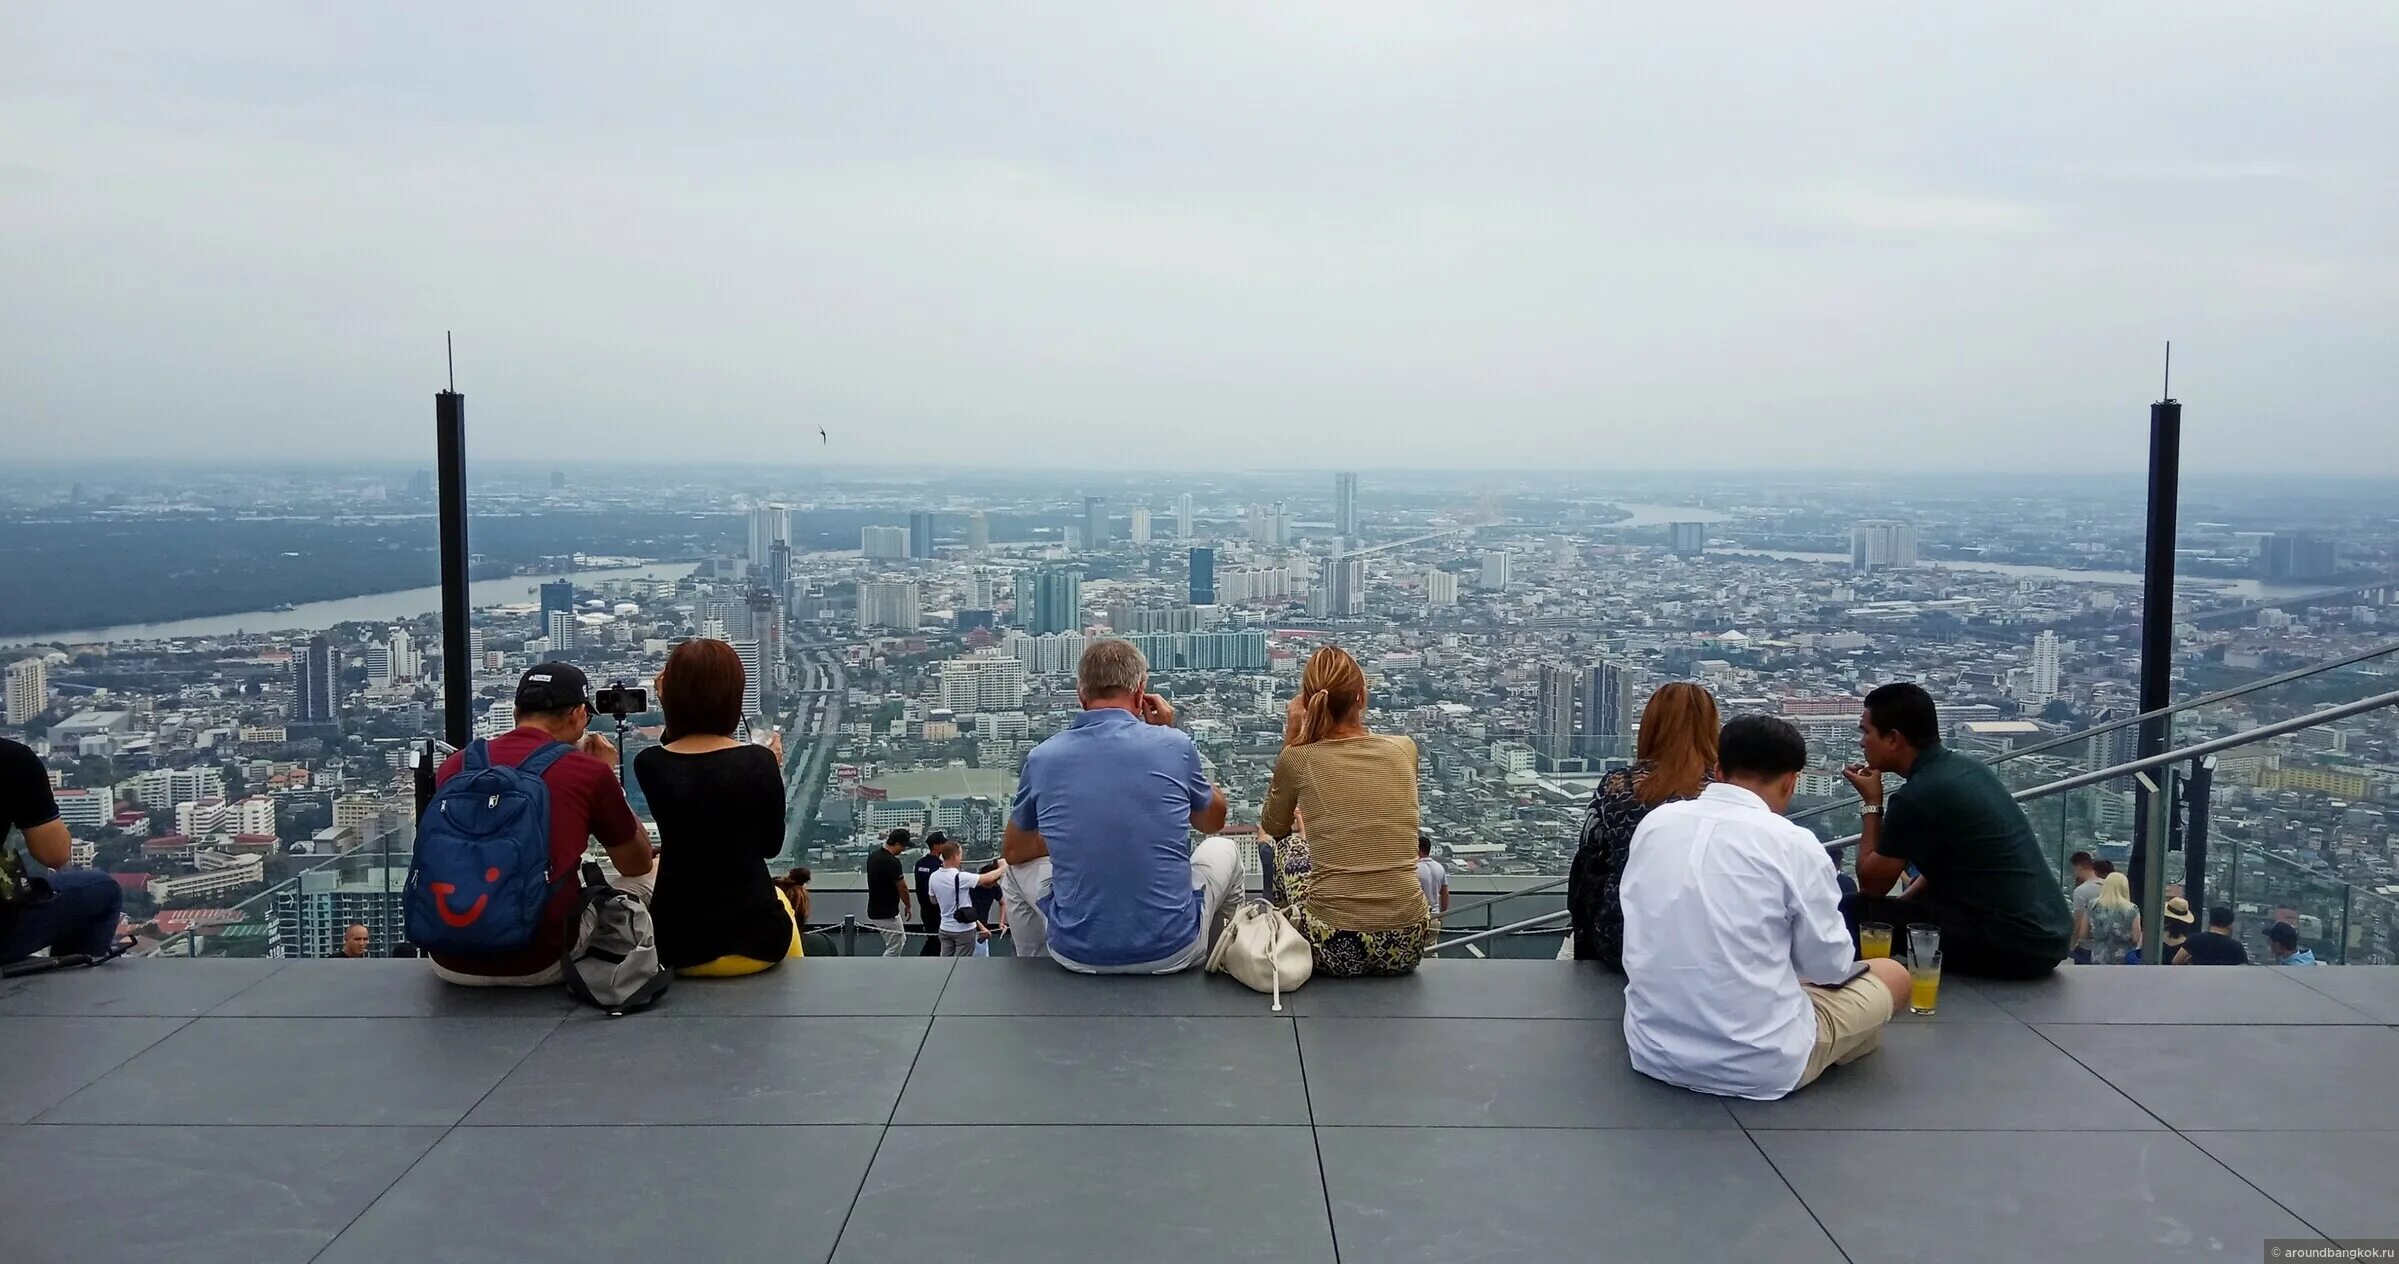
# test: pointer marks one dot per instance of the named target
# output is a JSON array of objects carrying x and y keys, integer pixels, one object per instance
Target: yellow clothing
[
  {"x": 733, "y": 966},
  {"x": 1358, "y": 797}
]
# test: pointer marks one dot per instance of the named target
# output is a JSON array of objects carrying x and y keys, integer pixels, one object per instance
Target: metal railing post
[
  {"x": 2348, "y": 899},
  {"x": 2153, "y": 873},
  {"x": 849, "y": 934}
]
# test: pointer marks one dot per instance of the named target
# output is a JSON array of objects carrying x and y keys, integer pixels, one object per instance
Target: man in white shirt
[
  {"x": 953, "y": 891},
  {"x": 1433, "y": 877},
  {"x": 1740, "y": 978}
]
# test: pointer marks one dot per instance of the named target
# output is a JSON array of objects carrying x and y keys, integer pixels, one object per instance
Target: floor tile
[
  {"x": 2340, "y": 1182},
  {"x": 1471, "y": 989},
  {"x": 1488, "y": 1073},
  {"x": 192, "y": 1195},
  {"x": 1036, "y": 985},
  {"x": 906, "y": 986},
  {"x": 1166, "y": 1195},
  {"x": 44, "y": 1060},
  {"x": 2332, "y": 1078},
  {"x": 577, "y": 1195},
  {"x": 1073, "y": 1070},
  {"x": 384, "y": 989},
  {"x": 161, "y": 987},
  {"x": 2008, "y": 1197},
  {"x": 2371, "y": 990},
  {"x": 2166, "y": 994},
  {"x": 1542, "y": 1195},
  {"x": 1962, "y": 1076},
  {"x": 655, "y": 1068},
  {"x": 389, "y": 1071}
]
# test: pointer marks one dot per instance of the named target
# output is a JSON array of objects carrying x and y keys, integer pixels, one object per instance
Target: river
[
  {"x": 2254, "y": 588},
  {"x": 1660, "y": 515},
  {"x": 316, "y": 616}
]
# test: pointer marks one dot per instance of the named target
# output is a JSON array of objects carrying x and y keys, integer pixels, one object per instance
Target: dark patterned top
[{"x": 1592, "y": 879}]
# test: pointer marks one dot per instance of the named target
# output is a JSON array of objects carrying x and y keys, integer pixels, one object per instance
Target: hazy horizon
[{"x": 1553, "y": 242}]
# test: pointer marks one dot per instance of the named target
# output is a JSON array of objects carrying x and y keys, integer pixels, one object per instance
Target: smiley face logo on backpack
[{"x": 441, "y": 901}]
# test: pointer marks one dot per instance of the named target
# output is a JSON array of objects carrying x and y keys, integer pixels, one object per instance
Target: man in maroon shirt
[{"x": 553, "y": 704}]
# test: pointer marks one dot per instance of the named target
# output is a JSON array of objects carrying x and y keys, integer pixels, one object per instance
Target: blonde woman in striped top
[{"x": 1350, "y": 882}]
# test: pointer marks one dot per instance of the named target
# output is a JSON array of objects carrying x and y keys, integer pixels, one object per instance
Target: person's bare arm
[
  {"x": 992, "y": 878},
  {"x": 1876, "y": 873},
  {"x": 1018, "y": 845},
  {"x": 1210, "y": 819},
  {"x": 633, "y": 857},
  {"x": 1444, "y": 897},
  {"x": 2182, "y": 957},
  {"x": 50, "y": 843}
]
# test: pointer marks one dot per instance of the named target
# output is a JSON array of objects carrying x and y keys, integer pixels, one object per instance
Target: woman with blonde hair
[
  {"x": 1350, "y": 883},
  {"x": 2112, "y": 923},
  {"x": 1674, "y": 758}
]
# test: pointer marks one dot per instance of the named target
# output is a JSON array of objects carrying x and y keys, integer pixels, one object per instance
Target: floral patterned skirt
[{"x": 1340, "y": 953}]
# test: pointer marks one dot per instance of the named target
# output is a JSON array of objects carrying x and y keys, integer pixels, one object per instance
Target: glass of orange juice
[
  {"x": 1924, "y": 983},
  {"x": 1874, "y": 940}
]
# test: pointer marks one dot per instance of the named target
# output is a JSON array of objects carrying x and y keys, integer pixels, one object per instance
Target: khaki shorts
[{"x": 1849, "y": 1023}]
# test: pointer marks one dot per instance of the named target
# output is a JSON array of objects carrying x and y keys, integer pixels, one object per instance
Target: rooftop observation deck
[{"x": 1001, "y": 1110}]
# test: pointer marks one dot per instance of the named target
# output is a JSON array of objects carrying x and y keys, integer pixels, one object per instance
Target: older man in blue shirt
[{"x": 1098, "y": 839}]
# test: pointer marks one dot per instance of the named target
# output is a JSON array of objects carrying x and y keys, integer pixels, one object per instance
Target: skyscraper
[
  {"x": 1440, "y": 588},
  {"x": 1605, "y": 717},
  {"x": 2044, "y": 669},
  {"x": 315, "y": 683},
  {"x": 766, "y": 627},
  {"x": 1278, "y": 525},
  {"x": 1495, "y": 572},
  {"x": 1057, "y": 601},
  {"x": 561, "y": 627},
  {"x": 556, "y": 595},
  {"x": 1553, "y": 714},
  {"x": 1203, "y": 575},
  {"x": 768, "y": 524},
  {"x": 920, "y": 536},
  {"x": 883, "y": 544},
  {"x": 978, "y": 532},
  {"x": 889, "y": 605},
  {"x": 1878, "y": 545},
  {"x": 1345, "y": 506},
  {"x": 1687, "y": 539},
  {"x": 1346, "y": 578},
  {"x": 1137, "y": 524},
  {"x": 778, "y": 571},
  {"x": 28, "y": 690},
  {"x": 1183, "y": 516},
  {"x": 1095, "y": 523},
  {"x": 2296, "y": 555},
  {"x": 753, "y": 671}
]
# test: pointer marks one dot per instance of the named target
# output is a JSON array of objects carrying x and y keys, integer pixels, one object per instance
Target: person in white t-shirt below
[
  {"x": 1740, "y": 979},
  {"x": 953, "y": 890},
  {"x": 1433, "y": 876}
]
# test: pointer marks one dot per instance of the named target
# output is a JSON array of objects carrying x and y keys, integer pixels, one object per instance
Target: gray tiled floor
[{"x": 1480, "y": 1110}]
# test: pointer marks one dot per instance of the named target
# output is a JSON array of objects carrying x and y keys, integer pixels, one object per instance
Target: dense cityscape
[{"x": 246, "y": 773}]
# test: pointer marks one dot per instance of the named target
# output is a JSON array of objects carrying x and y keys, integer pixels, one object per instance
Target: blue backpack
[{"x": 480, "y": 878}]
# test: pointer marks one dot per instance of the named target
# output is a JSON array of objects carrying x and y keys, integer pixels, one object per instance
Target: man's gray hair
[{"x": 1110, "y": 667}]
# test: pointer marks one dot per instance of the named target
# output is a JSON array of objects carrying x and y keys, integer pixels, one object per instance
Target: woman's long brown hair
[
  {"x": 1678, "y": 742},
  {"x": 1332, "y": 689}
]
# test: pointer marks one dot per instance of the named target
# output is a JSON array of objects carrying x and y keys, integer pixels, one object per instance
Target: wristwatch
[{"x": 1871, "y": 809}]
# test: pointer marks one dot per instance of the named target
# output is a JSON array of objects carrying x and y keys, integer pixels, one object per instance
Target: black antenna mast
[
  {"x": 2169, "y": 391},
  {"x": 450, "y": 353}
]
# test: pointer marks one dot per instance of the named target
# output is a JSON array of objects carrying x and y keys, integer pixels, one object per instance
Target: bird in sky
[{"x": 821, "y": 437}]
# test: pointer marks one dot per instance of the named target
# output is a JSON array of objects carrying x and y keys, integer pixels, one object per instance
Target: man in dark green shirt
[{"x": 1985, "y": 882}]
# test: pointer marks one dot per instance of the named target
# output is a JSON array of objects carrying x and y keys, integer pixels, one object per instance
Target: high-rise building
[
  {"x": 883, "y": 544},
  {"x": 1137, "y": 524},
  {"x": 1057, "y": 601},
  {"x": 1687, "y": 539},
  {"x": 920, "y": 536},
  {"x": 984, "y": 682},
  {"x": 766, "y": 628},
  {"x": 778, "y": 571},
  {"x": 769, "y": 524},
  {"x": 887, "y": 604},
  {"x": 557, "y": 595},
  {"x": 2044, "y": 669},
  {"x": 1345, "y": 506},
  {"x": 1095, "y": 523},
  {"x": 1605, "y": 717},
  {"x": 1345, "y": 577},
  {"x": 1183, "y": 516},
  {"x": 1203, "y": 575},
  {"x": 1278, "y": 525},
  {"x": 316, "y": 683},
  {"x": 753, "y": 673},
  {"x": 978, "y": 532},
  {"x": 1877, "y": 546},
  {"x": 1554, "y": 701},
  {"x": 1440, "y": 588},
  {"x": 561, "y": 627},
  {"x": 379, "y": 664},
  {"x": 2296, "y": 555},
  {"x": 28, "y": 690},
  {"x": 313, "y": 912},
  {"x": 1495, "y": 572}
]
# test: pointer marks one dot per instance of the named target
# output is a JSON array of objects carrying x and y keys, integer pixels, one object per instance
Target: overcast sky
[{"x": 1156, "y": 236}]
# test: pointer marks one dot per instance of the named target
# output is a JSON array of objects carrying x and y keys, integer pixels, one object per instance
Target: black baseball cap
[
  {"x": 552, "y": 687},
  {"x": 2283, "y": 934}
]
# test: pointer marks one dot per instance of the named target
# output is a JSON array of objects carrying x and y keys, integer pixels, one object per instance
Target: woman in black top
[
  {"x": 719, "y": 807},
  {"x": 1674, "y": 759}
]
